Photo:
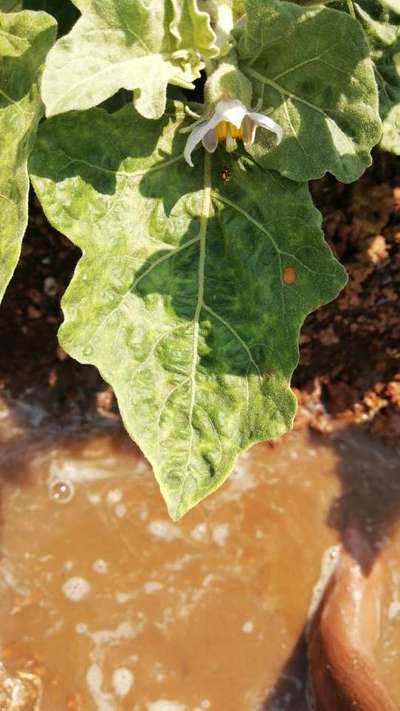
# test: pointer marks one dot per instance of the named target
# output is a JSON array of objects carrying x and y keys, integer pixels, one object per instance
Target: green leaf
[
  {"x": 13, "y": 41},
  {"x": 130, "y": 44},
  {"x": 180, "y": 297},
  {"x": 64, "y": 12},
  {"x": 312, "y": 67},
  {"x": 10, "y": 5},
  {"x": 192, "y": 28},
  {"x": 25, "y": 38},
  {"x": 239, "y": 8},
  {"x": 382, "y": 26}
]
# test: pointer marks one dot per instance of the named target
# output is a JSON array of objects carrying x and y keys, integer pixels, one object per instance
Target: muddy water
[{"x": 107, "y": 605}]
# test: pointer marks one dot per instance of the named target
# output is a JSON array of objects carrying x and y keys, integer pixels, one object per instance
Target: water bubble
[
  {"x": 88, "y": 351},
  {"x": 50, "y": 286},
  {"x": 62, "y": 492},
  {"x": 248, "y": 627}
]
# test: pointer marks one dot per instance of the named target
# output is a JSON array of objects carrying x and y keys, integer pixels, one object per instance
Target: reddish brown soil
[{"x": 350, "y": 349}]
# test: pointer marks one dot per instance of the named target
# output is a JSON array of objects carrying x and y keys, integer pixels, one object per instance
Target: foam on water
[
  {"x": 164, "y": 705},
  {"x": 152, "y": 586},
  {"x": 100, "y": 566},
  {"x": 71, "y": 471},
  {"x": 164, "y": 530},
  {"x": 76, "y": 589},
  {"x": 220, "y": 534},
  {"x": 123, "y": 681},
  {"x": 120, "y": 510},
  {"x": 329, "y": 562},
  {"x": 199, "y": 532},
  {"x": 114, "y": 496},
  {"x": 248, "y": 627},
  {"x": 94, "y": 682}
]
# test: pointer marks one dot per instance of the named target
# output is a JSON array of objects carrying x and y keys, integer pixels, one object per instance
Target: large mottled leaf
[
  {"x": 312, "y": 67},
  {"x": 190, "y": 292},
  {"x": 129, "y": 44},
  {"x": 25, "y": 38},
  {"x": 381, "y": 23}
]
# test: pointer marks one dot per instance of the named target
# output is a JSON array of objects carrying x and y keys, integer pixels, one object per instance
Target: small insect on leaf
[{"x": 225, "y": 175}]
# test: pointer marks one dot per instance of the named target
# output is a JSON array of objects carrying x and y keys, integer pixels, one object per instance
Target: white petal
[
  {"x": 210, "y": 141},
  {"x": 266, "y": 122},
  {"x": 232, "y": 111},
  {"x": 197, "y": 135},
  {"x": 249, "y": 131}
]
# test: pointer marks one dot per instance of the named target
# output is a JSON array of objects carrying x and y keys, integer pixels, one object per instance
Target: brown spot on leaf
[{"x": 289, "y": 275}]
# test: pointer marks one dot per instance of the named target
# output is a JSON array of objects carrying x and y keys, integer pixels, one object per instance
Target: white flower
[{"x": 230, "y": 120}]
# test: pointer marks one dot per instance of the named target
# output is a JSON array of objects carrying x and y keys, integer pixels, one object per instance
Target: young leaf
[
  {"x": 25, "y": 39},
  {"x": 192, "y": 28},
  {"x": 382, "y": 26},
  {"x": 190, "y": 292},
  {"x": 127, "y": 44},
  {"x": 312, "y": 67}
]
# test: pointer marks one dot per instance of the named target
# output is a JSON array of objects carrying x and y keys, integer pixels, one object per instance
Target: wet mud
[{"x": 107, "y": 605}]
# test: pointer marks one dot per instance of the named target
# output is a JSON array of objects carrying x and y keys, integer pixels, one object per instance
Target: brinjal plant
[{"x": 175, "y": 146}]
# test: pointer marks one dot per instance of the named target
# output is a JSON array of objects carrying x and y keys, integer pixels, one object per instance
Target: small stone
[
  {"x": 33, "y": 312},
  {"x": 50, "y": 286}
]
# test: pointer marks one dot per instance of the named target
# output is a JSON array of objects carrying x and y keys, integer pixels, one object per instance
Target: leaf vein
[{"x": 237, "y": 336}]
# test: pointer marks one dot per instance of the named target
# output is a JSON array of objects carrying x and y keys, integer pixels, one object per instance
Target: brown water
[{"x": 106, "y": 605}]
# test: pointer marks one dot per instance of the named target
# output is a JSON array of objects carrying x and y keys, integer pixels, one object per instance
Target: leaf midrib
[{"x": 205, "y": 215}]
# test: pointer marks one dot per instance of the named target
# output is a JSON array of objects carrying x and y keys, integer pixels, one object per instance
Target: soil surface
[{"x": 349, "y": 368}]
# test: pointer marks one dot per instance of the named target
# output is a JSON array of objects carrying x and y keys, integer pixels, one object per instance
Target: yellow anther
[
  {"x": 222, "y": 130},
  {"x": 235, "y": 132},
  {"x": 226, "y": 131}
]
